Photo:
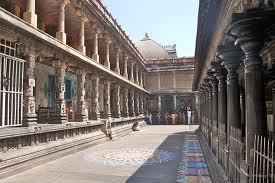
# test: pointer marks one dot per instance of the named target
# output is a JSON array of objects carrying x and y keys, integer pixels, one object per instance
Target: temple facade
[
  {"x": 234, "y": 72},
  {"x": 169, "y": 81}
]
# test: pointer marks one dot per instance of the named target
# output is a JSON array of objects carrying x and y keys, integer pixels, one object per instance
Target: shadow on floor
[{"x": 162, "y": 166}]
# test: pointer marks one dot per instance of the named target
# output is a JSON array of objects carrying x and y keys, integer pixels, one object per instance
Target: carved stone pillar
[
  {"x": 137, "y": 104},
  {"x": 81, "y": 114},
  {"x": 141, "y": 78},
  {"x": 250, "y": 34},
  {"x": 117, "y": 67},
  {"x": 214, "y": 83},
  {"x": 222, "y": 94},
  {"x": 106, "y": 101},
  {"x": 94, "y": 111},
  {"x": 125, "y": 102},
  {"x": 95, "y": 54},
  {"x": 61, "y": 115},
  {"x": 30, "y": 16},
  {"x": 117, "y": 113},
  {"x": 131, "y": 103},
  {"x": 125, "y": 74},
  {"x": 61, "y": 35},
  {"x": 82, "y": 47},
  {"x": 137, "y": 75},
  {"x": 209, "y": 112},
  {"x": 108, "y": 41},
  {"x": 132, "y": 71},
  {"x": 141, "y": 105},
  {"x": 231, "y": 55},
  {"x": 29, "y": 115}
]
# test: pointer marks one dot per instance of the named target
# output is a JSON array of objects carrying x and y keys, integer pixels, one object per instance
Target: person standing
[{"x": 189, "y": 116}]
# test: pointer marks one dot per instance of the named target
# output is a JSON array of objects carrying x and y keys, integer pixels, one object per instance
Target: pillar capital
[
  {"x": 231, "y": 55},
  {"x": 107, "y": 39},
  {"x": 63, "y": 3}
]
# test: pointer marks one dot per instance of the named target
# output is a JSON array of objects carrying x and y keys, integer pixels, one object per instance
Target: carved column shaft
[
  {"x": 132, "y": 103},
  {"x": 61, "y": 35},
  {"x": 132, "y": 72},
  {"x": 141, "y": 104},
  {"x": 81, "y": 106},
  {"x": 125, "y": 74},
  {"x": 29, "y": 115},
  {"x": 106, "y": 102},
  {"x": 95, "y": 54},
  {"x": 117, "y": 67},
  {"x": 30, "y": 16},
  {"x": 107, "y": 52},
  {"x": 137, "y": 104},
  {"x": 94, "y": 111},
  {"x": 116, "y": 111},
  {"x": 125, "y": 102},
  {"x": 61, "y": 115}
]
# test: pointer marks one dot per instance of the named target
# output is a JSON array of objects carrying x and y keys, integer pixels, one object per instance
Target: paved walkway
[{"x": 156, "y": 154}]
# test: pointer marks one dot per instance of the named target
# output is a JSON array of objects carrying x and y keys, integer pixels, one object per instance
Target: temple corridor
[{"x": 153, "y": 154}]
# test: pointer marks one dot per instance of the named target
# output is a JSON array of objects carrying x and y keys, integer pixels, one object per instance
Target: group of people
[{"x": 184, "y": 116}]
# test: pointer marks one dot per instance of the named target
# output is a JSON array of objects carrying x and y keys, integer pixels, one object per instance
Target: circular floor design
[{"x": 130, "y": 157}]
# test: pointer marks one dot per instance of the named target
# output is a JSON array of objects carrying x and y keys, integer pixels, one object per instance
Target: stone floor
[{"x": 156, "y": 154}]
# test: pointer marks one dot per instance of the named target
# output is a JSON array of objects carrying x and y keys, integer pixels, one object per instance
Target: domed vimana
[{"x": 150, "y": 49}]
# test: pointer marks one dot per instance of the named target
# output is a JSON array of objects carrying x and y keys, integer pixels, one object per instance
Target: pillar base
[
  {"x": 81, "y": 118},
  {"x": 107, "y": 116},
  {"x": 107, "y": 64},
  {"x": 132, "y": 80},
  {"x": 61, "y": 36},
  {"x": 125, "y": 115},
  {"x": 126, "y": 76},
  {"x": 59, "y": 119},
  {"x": 95, "y": 57},
  {"x": 117, "y": 115},
  {"x": 29, "y": 121},
  {"x": 31, "y": 18},
  {"x": 117, "y": 70},
  {"x": 82, "y": 49}
]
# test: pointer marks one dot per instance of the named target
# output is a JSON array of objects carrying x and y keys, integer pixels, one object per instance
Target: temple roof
[{"x": 150, "y": 49}]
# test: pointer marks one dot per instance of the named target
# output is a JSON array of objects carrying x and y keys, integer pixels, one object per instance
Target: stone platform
[{"x": 154, "y": 154}]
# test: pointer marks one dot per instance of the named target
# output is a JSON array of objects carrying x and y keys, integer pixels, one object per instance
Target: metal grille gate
[{"x": 11, "y": 85}]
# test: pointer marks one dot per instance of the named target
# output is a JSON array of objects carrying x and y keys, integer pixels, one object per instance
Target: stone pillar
[
  {"x": 125, "y": 74},
  {"x": 94, "y": 111},
  {"x": 214, "y": 83},
  {"x": 106, "y": 102},
  {"x": 81, "y": 114},
  {"x": 251, "y": 43},
  {"x": 95, "y": 54},
  {"x": 222, "y": 94},
  {"x": 29, "y": 115},
  {"x": 108, "y": 41},
  {"x": 132, "y": 103},
  {"x": 141, "y": 78},
  {"x": 175, "y": 102},
  {"x": 125, "y": 102},
  {"x": 231, "y": 55},
  {"x": 141, "y": 104},
  {"x": 132, "y": 71},
  {"x": 30, "y": 16},
  {"x": 209, "y": 112},
  {"x": 137, "y": 77},
  {"x": 273, "y": 109},
  {"x": 81, "y": 46},
  {"x": 159, "y": 108},
  {"x": 117, "y": 67},
  {"x": 61, "y": 35},
  {"x": 116, "y": 95},
  {"x": 137, "y": 104},
  {"x": 61, "y": 115}
]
